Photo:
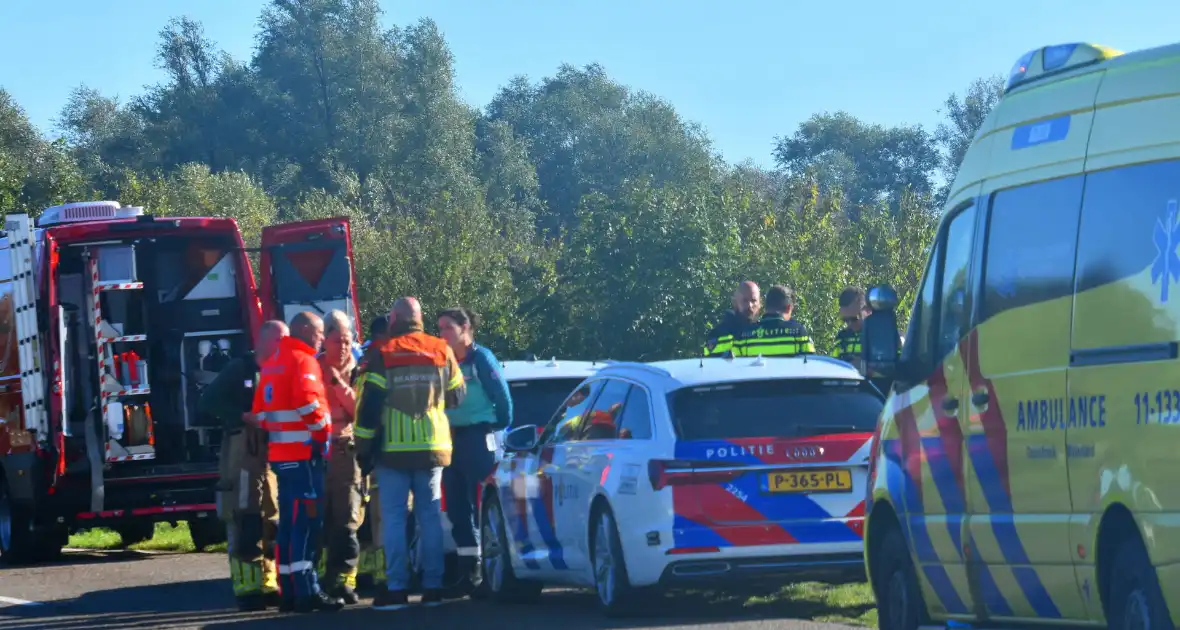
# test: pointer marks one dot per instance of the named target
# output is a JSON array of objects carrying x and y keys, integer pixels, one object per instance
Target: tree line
[{"x": 580, "y": 217}]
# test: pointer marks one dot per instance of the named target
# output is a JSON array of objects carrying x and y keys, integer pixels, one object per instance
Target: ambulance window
[
  {"x": 954, "y": 300},
  {"x": 918, "y": 349},
  {"x": 1031, "y": 238},
  {"x": 1129, "y": 227}
]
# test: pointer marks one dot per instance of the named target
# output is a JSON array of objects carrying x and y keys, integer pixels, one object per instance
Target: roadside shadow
[
  {"x": 168, "y": 604},
  {"x": 209, "y": 604},
  {"x": 86, "y": 556}
]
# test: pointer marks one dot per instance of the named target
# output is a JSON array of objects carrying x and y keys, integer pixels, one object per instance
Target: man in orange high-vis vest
[{"x": 292, "y": 405}]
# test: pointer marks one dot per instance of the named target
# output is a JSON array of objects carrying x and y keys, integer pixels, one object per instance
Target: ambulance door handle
[
  {"x": 950, "y": 404},
  {"x": 980, "y": 399}
]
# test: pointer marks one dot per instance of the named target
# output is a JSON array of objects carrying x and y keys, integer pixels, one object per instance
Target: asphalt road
[{"x": 133, "y": 590}]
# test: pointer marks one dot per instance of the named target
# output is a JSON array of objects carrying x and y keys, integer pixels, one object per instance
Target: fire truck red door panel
[{"x": 307, "y": 266}]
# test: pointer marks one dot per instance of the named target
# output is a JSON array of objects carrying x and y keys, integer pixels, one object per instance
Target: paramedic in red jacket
[{"x": 292, "y": 404}]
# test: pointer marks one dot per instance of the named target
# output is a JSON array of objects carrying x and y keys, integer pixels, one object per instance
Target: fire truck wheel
[
  {"x": 18, "y": 536},
  {"x": 206, "y": 532}
]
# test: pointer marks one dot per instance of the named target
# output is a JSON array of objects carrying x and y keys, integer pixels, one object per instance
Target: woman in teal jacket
[{"x": 487, "y": 407}]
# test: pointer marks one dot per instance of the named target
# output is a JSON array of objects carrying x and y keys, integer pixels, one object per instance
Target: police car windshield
[
  {"x": 535, "y": 401},
  {"x": 774, "y": 408}
]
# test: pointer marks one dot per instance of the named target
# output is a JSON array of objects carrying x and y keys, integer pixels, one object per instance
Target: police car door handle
[
  {"x": 980, "y": 399},
  {"x": 950, "y": 404}
]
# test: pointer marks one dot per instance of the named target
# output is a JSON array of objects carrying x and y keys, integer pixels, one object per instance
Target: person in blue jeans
[
  {"x": 406, "y": 384},
  {"x": 487, "y": 407}
]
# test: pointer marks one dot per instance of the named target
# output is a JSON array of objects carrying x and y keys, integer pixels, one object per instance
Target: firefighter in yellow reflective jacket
[
  {"x": 408, "y": 383},
  {"x": 776, "y": 334},
  {"x": 371, "y": 565},
  {"x": 247, "y": 491}
]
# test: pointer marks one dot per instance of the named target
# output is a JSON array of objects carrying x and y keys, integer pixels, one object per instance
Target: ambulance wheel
[
  {"x": 616, "y": 596},
  {"x": 499, "y": 579},
  {"x": 1136, "y": 601},
  {"x": 899, "y": 598},
  {"x": 206, "y": 532}
]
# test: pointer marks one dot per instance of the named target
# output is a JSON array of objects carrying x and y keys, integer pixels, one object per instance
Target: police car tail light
[{"x": 676, "y": 472}]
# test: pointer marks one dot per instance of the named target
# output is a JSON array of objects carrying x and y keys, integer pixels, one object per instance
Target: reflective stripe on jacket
[
  {"x": 721, "y": 337},
  {"x": 847, "y": 345},
  {"x": 292, "y": 403},
  {"x": 774, "y": 336},
  {"x": 408, "y": 384}
]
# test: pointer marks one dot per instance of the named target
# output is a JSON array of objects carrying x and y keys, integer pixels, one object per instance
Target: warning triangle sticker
[{"x": 311, "y": 264}]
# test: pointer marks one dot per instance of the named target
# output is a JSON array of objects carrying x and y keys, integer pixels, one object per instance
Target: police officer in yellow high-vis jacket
[
  {"x": 735, "y": 322},
  {"x": 776, "y": 334}
]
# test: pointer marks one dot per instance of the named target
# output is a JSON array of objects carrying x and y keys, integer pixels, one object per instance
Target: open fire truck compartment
[{"x": 111, "y": 322}]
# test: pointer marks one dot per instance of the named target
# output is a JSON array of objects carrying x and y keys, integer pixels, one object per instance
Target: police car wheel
[
  {"x": 1136, "y": 601},
  {"x": 611, "y": 583},
  {"x": 498, "y": 576},
  {"x": 899, "y": 601}
]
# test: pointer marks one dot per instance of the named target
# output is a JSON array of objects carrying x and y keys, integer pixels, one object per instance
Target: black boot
[
  {"x": 346, "y": 594},
  {"x": 251, "y": 603},
  {"x": 321, "y": 601},
  {"x": 286, "y": 604},
  {"x": 272, "y": 599}
]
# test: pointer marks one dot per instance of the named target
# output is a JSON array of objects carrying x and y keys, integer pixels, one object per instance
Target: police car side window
[
  {"x": 565, "y": 422},
  {"x": 602, "y": 422},
  {"x": 635, "y": 423},
  {"x": 1030, "y": 242}
]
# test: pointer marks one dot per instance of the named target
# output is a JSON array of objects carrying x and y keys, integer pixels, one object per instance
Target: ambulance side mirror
[{"x": 880, "y": 344}]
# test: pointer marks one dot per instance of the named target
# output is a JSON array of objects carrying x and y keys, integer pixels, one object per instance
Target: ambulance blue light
[
  {"x": 1057, "y": 56},
  {"x": 1050, "y": 60}
]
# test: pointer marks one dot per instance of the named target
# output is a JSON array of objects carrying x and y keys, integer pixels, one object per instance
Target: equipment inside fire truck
[{"x": 120, "y": 319}]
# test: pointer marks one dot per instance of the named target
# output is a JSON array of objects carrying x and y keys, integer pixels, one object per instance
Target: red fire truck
[{"x": 111, "y": 322}]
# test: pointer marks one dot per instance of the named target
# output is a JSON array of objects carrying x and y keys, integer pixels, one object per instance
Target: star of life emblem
[{"x": 1165, "y": 269}]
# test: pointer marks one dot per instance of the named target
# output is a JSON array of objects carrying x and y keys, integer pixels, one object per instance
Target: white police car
[
  {"x": 685, "y": 472},
  {"x": 537, "y": 388}
]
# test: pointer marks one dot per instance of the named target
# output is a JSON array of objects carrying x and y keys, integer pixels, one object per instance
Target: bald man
[
  {"x": 747, "y": 302},
  {"x": 247, "y": 494},
  {"x": 292, "y": 404},
  {"x": 408, "y": 381}
]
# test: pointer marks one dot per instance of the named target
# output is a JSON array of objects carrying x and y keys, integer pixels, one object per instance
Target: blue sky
[{"x": 747, "y": 70}]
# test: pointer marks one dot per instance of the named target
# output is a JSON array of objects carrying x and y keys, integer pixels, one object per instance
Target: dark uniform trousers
[
  {"x": 248, "y": 503},
  {"x": 343, "y": 515}
]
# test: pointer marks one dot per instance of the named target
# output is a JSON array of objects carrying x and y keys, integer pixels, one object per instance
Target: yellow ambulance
[{"x": 1027, "y": 466}]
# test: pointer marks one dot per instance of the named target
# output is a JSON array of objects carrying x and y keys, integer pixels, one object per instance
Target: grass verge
[
  {"x": 851, "y": 604},
  {"x": 166, "y": 538}
]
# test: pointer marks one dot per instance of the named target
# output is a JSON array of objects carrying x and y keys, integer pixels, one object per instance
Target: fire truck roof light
[
  {"x": 1050, "y": 60},
  {"x": 87, "y": 211}
]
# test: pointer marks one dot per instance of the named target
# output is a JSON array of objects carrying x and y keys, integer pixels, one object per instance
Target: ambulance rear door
[{"x": 308, "y": 266}]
